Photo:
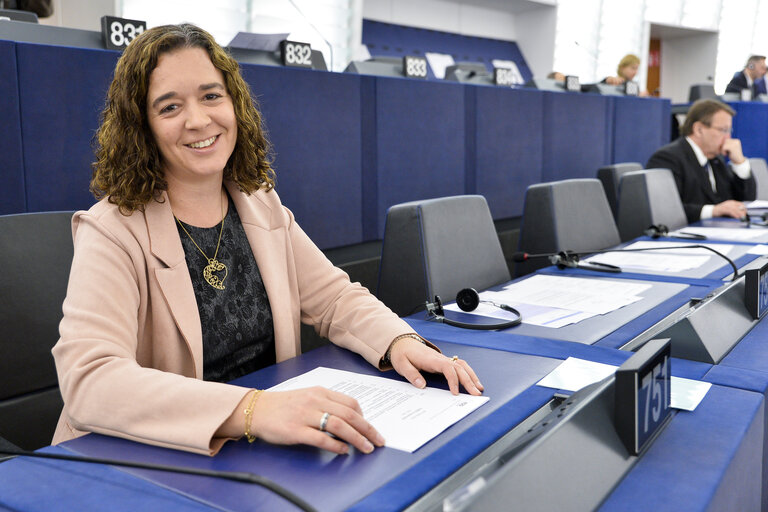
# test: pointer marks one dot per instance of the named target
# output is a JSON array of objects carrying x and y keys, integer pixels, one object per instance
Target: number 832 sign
[{"x": 117, "y": 33}]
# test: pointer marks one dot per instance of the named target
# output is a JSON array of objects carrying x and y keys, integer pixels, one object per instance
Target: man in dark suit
[
  {"x": 707, "y": 185},
  {"x": 750, "y": 78}
]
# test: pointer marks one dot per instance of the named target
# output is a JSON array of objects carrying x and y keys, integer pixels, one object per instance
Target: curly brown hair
[{"x": 128, "y": 168}]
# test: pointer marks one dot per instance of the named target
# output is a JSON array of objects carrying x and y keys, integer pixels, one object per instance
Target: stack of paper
[
  {"x": 557, "y": 301},
  {"x": 671, "y": 257}
]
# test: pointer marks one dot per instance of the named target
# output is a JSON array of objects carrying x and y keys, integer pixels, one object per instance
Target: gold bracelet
[
  {"x": 386, "y": 361},
  {"x": 249, "y": 414}
]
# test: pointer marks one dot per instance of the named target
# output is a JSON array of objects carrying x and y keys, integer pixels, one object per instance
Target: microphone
[
  {"x": 661, "y": 230},
  {"x": 565, "y": 259},
  {"x": 569, "y": 259},
  {"x": 237, "y": 476}
]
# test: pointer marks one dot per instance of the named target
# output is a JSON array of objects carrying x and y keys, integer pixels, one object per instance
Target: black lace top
[{"x": 238, "y": 336}]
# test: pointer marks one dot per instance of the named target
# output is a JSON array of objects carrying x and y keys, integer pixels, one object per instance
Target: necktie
[{"x": 711, "y": 175}]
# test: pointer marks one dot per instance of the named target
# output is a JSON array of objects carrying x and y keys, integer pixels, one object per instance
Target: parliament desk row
[
  {"x": 709, "y": 459},
  {"x": 346, "y": 146}
]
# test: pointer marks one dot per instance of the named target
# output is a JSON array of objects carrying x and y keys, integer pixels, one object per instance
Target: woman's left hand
[{"x": 408, "y": 356}]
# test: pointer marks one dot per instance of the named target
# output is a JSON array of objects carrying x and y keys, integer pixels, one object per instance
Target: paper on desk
[
  {"x": 758, "y": 203},
  {"x": 406, "y": 416},
  {"x": 598, "y": 296},
  {"x": 573, "y": 374},
  {"x": 759, "y": 249},
  {"x": 739, "y": 234},
  {"x": 650, "y": 261},
  {"x": 532, "y": 314},
  {"x": 670, "y": 247}
]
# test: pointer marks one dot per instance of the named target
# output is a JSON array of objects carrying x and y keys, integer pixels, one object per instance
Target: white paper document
[
  {"x": 647, "y": 261},
  {"x": 555, "y": 301},
  {"x": 676, "y": 247},
  {"x": 739, "y": 234},
  {"x": 759, "y": 249},
  {"x": 573, "y": 374},
  {"x": 407, "y": 417},
  {"x": 757, "y": 204}
]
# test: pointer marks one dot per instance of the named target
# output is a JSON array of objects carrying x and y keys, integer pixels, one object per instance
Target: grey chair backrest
[
  {"x": 760, "y": 172},
  {"x": 701, "y": 91},
  {"x": 609, "y": 176},
  {"x": 36, "y": 255},
  {"x": 648, "y": 197},
  {"x": 565, "y": 215},
  {"x": 437, "y": 247}
]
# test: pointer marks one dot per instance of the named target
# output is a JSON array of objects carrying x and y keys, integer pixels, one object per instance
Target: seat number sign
[
  {"x": 117, "y": 33},
  {"x": 296, "y": 54},
  {"x": 414, "y": 67}
]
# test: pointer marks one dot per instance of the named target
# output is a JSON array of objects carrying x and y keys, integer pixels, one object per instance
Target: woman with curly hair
[{"x": 189, "y": 273}]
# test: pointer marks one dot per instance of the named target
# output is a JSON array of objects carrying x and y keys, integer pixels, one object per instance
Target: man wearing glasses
[{"x": 707, "y": 185}]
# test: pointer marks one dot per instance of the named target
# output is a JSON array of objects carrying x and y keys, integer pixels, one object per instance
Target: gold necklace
[{"x": 213, "y": 265}]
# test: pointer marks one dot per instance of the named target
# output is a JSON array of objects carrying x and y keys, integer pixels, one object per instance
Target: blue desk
[
  {"x": 388, "y": 478},
  {"x": 713, "y": 453}
]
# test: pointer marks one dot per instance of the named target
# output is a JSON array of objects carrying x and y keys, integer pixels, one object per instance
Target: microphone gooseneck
[
  {"x": 237, "y": 476},
  {"x": 570, "y": 255}
]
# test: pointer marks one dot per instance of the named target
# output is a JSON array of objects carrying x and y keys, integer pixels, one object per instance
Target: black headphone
[{"x": 468, "y": 299}]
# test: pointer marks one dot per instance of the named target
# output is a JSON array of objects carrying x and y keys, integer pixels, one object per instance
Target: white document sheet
[
  {"x": 669, "y": 248},
  {"x": 407, "y": 417},
  {"x": 740, "y": 234},
  {"x": 598, "y": 296},
  {"x": 532, "y": 314},
  {"x": 760, "y": 249},
  {"x": 758, "y": 203},
  {"x": 650, "y": 261},
  {"x": 573, "y": 374}
]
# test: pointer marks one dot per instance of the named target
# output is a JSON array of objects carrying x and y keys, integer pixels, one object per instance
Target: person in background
[
  {"x": 708, "y": 186},
  {"x": 751, "y": 78},
  {"x": 189, "y": 273},
  {"x": 626, "y": 72}
]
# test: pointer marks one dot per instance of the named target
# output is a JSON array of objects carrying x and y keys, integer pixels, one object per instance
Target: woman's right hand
[{"x": 294, "y": 417}]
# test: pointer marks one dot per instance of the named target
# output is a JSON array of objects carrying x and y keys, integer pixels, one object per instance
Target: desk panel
[
  {"x": 62, "y": 92},
  {"x": 749, "y": 126},
  {"x": 509, "y": 147},
  {"x": 12, "y": 197},
  {"x": 708, "y": 459},
  {"x": 331, "y": 482},
  {"x": 420, "y": 137},
  {"x": 579, "y": 135},
  {"x": 641, "y": 126},
  {"x": 313, "y": 121}
]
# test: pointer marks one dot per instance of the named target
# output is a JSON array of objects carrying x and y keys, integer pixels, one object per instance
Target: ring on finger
[
  {"x": 324, "y": 421},
  {"x": 455, "y": 358}
]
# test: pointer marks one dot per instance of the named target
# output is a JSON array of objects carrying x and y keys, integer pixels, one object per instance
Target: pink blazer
[{"x": 130, "y": 355}]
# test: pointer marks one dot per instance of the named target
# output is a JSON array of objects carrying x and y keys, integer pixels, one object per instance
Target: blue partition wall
[
  {"x": 636, "y": 134},
  {"x": 12, "y": 196},
  {"x": 347, "y": 147},
  {"x": 579, "y": 135},
  {"x": 749, "y": 116},
  {"x": 62, "y": 92},
  {"x": 420, "y": 141},
  {"x": 508, "y": 144},
  {"x": 313, "y": 122}
]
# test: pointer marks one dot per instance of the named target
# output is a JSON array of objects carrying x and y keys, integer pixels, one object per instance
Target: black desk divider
[
  {"x": 707, "y": 331},
  {"x": 570, "y": 460}
]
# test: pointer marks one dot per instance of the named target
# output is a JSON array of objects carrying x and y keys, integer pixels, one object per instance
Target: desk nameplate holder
[
  {"x": 707, "y": 331},
  {"x": 756, "y": 291},
  {"x": 583, "y": 432}
]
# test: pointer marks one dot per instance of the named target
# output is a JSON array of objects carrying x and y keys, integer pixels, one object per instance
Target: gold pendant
[{"x": 214, "y": 265}]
